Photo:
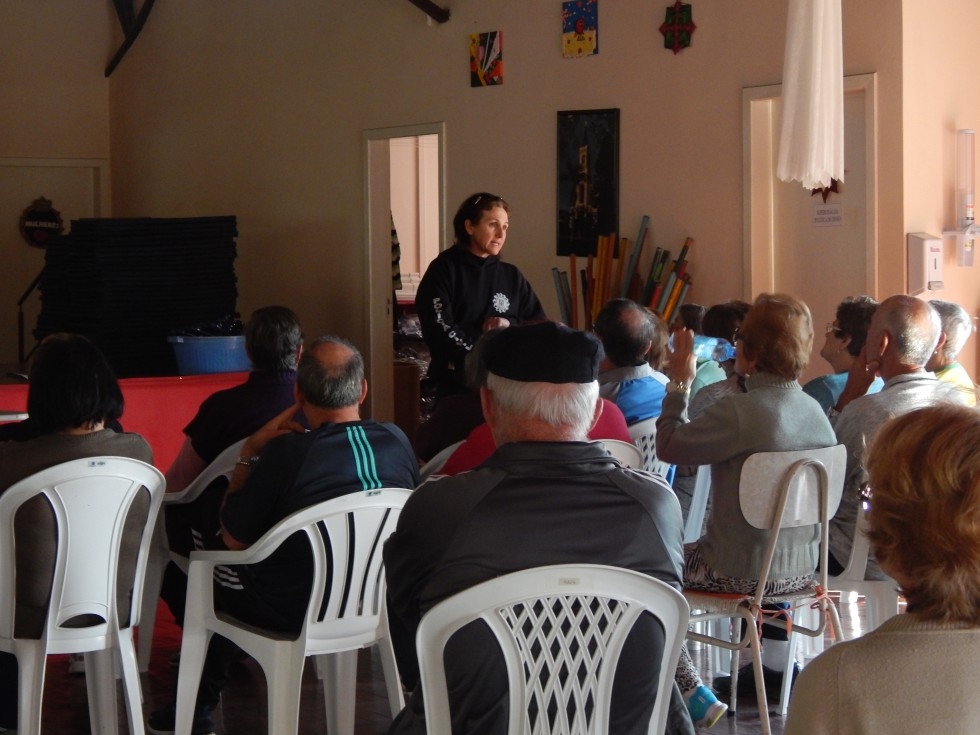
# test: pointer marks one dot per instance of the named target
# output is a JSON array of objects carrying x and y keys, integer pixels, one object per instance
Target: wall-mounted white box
[{"x": 925, "y": 264}]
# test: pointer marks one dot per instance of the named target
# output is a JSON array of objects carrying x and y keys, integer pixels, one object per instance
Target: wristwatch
[
  {"x": 247, "y": 461},
  {"x": 678, "y": 386}
]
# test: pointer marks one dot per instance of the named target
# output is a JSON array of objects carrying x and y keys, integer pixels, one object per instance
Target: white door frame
[
  {"x": 377, "y": 253},
  {"x": 758, "y": 174}
]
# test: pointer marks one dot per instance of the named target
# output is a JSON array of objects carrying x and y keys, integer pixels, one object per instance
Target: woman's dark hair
[
  {"x": 853, "y": 318},
  {"x": 71, "y": 385},
  {"x": 721, "y": 319},
  {"x": 472, "y": 209},
  {"x": 272, "y": 339}
]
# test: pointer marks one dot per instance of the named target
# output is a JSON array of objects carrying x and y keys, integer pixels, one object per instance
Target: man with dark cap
[{"x": 546, "y": 496}]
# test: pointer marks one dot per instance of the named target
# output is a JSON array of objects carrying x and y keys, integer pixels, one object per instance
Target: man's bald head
[{"x": 331, "y": 374}]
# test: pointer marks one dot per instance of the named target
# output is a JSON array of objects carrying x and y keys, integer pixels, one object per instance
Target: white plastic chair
[
  {"x": 435, "y": 464},
  {"x": 644, "y": 435},
  {"x": 777, "y": 490},
  {"x": 699, "y": 505},
  {"x": 625, "y": 452},
  {"x": 340, "y": 619},
  {"x": 160, "y": 553},
  {"x": 561, "y": 631},
  {"x": 90, "y": 500},
  {"x": 880, "y": 596}
]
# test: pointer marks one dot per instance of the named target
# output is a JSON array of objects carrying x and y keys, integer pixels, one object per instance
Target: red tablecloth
[{"x": 156, "y": 408}]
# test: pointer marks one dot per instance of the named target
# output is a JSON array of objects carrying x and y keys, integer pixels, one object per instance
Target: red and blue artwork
[
  {"x": 580, "y": 28},
  {"x": 486, "y": 59}
]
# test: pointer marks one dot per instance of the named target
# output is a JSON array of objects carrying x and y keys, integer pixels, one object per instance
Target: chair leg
[
  {"x": 152, "y": 583},
  {"x": 393, "y": 684},
  {"x": 30, "y": 670},
  {"x": 131, "y": 686},
  {"x": 735, "y": 634},
  {"x": 339, "y": 690},
  {"x": 193, "y": 649},
  {"x": 794, "y": 643},
  {"x": 755, "y": 648},
  {"x": 285, "y": 683},
  {"x": 100, "y": 684}
]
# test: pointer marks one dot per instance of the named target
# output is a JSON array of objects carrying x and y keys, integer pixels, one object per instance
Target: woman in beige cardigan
[{"x": 916, "y": 673}]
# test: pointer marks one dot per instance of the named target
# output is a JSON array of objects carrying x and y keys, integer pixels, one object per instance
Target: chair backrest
[
  {"x": 435, "y": 464},
  {"x": 346, "y": 535},
  {"x": 223, "y": 464},
  {"x": 780, "y": 490},
  {"x": 625, "y": 452},
  {"x": 644, "y": 435},
  {"x": 90, "y": 500},
  {"x": 561, "y": 631}
]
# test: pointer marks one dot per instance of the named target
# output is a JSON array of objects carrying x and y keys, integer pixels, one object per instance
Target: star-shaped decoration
[
  {"x": 825, "y": 191},
  {"x": 678, "y": 27}
]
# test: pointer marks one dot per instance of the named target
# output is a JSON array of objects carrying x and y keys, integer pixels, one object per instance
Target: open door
[{"x": 379, "y": 305}]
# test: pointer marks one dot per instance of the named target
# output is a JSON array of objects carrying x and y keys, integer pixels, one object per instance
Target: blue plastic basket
[{"x": 197, "y": 355}]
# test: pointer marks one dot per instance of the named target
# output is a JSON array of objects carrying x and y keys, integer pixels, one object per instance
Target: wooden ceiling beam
[
  {"x": 438, "y": 14},
  {"x": 131, "y": 24}
]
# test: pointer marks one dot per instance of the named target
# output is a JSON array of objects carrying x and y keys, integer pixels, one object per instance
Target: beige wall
[
  {"x": 941, "y": 70},
  {"x": 258, "y": 111}
]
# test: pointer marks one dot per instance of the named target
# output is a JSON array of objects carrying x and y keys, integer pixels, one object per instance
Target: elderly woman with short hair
[
  {"x": 915, "y": 673},
  {"x": 772, "y": 348}
]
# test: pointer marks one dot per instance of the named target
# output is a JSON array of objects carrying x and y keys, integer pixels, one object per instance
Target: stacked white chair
[{"x": 90, "y": 499}]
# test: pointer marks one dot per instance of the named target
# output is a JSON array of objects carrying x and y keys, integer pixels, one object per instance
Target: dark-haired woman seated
[
  {"x": 72, "y": 395},
  {"x": 916, "y": 672}
]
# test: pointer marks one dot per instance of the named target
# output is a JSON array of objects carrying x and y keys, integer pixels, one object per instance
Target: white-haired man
[
  {"x": 957, "y": 328},
  {"x": 546, "y": 496}
]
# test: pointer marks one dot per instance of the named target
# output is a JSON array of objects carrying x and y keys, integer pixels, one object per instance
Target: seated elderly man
[
  {"x": 635, "y": 344},
  {"x": 545, "y": 496},
  {"x": 284, "y": 469},
  {"x": 903, "y": 334},
  {"x": 957, "y": 328}
]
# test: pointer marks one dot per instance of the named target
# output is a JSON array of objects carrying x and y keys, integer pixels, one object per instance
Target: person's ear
[
  {"x": 486, "y": 403},
  {"x": 364, "y": 391},
  {"x": 599, "y": 406}
]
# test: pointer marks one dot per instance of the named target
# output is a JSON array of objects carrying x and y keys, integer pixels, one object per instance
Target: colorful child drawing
[
  {"x": 580, "y": 28},
  {"x": 486, "y": 59}
]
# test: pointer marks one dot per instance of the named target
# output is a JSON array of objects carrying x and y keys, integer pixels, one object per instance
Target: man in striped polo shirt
[{"x": 285, "y": 468}]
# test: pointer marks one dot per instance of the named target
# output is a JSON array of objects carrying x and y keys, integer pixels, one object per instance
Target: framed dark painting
[{"x": 588, "y": 179}]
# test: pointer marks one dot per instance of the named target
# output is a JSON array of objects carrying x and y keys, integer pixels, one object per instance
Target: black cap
[{"x": 546, "y": 352}]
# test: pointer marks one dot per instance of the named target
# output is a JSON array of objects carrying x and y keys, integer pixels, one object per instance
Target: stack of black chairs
[{"x": 127, "y": 284}]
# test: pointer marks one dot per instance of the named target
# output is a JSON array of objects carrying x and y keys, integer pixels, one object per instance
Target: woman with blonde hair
[
  {"x": 772, "y": 348},
  {"x": 916, "y": 672}
]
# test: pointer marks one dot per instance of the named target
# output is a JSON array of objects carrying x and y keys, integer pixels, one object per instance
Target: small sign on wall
[{"x": 828, "y": 215}]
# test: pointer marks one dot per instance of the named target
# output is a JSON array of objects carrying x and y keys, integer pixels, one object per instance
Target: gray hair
[
  {"x": 556, "y": 404},
  {"x": 330, "y": 385},
  {"x": 957, "y": 325},
  {"x": 914, "y": 327}
]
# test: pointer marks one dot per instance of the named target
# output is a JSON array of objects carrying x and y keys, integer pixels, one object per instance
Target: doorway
[
  {"x": 791, "y": 244},
  {"x": 422, "y": 210}
]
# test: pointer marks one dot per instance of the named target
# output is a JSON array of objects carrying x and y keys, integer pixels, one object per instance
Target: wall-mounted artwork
[
  {"x": 588, "y": 179},
  {"x": 486, "y": 59},
  {"x": 580, "y": 28},
  {"x": 678, "y": 26}
]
